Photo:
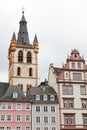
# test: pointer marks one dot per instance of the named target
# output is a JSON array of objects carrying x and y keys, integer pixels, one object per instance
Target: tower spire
[{"x": 23, "y": 37}]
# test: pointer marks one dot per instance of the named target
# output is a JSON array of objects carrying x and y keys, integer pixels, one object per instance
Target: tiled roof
[
  {"x": 42, "y": 90},
  {"x": 9, "y": 95},
  {"x": 3, "y": 88},
  {"x": 57, "y": 70}
]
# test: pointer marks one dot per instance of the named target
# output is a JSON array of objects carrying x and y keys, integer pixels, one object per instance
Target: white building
[
  {"x": 23, "y": 59},
  {"x": 70, "y": 83},
  {"x": 45, "y": 109}
]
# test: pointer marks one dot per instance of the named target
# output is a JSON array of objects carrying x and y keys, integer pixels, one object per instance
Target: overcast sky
[{"x": 61, "y": 25}]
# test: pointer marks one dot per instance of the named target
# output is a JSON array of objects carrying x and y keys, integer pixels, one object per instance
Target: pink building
[{"x": 15, "y": 110}]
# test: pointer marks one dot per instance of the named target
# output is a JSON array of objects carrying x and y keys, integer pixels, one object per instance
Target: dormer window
[
  {"x": 15, "y": 95},
  {"x": 45, "y": 97},
  {"x": 37, "y": 97},
  {"x": 52, "y": 98}
]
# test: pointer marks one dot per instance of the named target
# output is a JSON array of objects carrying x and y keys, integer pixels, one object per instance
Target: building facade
[
  {"x": 23, "y": 58},
  {"x": 70, "y": 83},
  {"x": 15, "y": 110},
  {"x": 45, "y": 108}
]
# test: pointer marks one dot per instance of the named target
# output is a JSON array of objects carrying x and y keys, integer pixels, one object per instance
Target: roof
[
  {"x": 14, "y": 36},
  {"x": 42, "y": 90},
  {"x": 57, "y": 70},
  {"x": 9, "y": 95},
  {"x": 35, "y": 39},
  {"x": 3, "y": 88},
  {"x": 23, "y": 37}
]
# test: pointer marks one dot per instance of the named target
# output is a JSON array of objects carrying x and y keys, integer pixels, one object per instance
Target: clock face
[{"x": 15, "y": 95}]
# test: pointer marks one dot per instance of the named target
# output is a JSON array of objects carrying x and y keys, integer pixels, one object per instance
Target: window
[
  {"x": 52, "y": 108},
  {"x": 3, "y": 106},
  {"x": 68, "y": 103},
  {"x": 38, "y": 119},
  {"x": 9, "y": 106},
  {"x": 85, "y": 119},
  {"x": 8, "y": 128},
  {"x": 84, "y": 103},
  {"x": 20, "y": 56},
  {"x": 83, "y": 90},
  {"x": 53, "y": 119},
  {"x": 2, "y": 128},
  {"x": 18, "y": 128},
  {"x": 38, "y": 128},
  {"x": 18, "y": 117},
  {"x": 45, "y": 97},
  {"x": 8, "y": 117},
  {"x": 79, "y": 65},
  {"x": 69, "y": 119},
  {"x": 21, "y": 86},
  {"x": 72, "y": 65},
  {"x": 53, "y": 128},
  {"x": 2, "y": 117},
  {"x": 29, "y": 57},
  {"x": 28, "y": 86},
  {"x": 18, "y": 106},
  {"x": 28, "y": 118},
  {"x": 27, "y": 128},
  {"x": 45, "y": 109},
  {"x": 37, "y": 108},
  {"x": 52, "y": 97},
  {"x": 30, "y": 72},
  {"x": 45, "y": 119},
  {"x": 77, "y": 76},
  {"x": 15, "y": 95},
  {"x": 67, "y": 89},
  {"x": 45, "y": 128},
  {"x": 27, "y": 106},
  {"x": 18, "y": 71},
  {"x": 37, "y": 97}
]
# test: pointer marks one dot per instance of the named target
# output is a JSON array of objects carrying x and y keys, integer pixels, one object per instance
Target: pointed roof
[
  {"x": 35, "y": 39},
  {"x": 23, "y": 37},
  {"x": 14, "y": 36}
]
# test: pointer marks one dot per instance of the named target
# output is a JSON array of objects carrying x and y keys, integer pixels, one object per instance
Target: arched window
[
  {"x": 18, "y": 71},
  {"x": 29, "y": 57},
  {"x": 30, "y": 72},
  {"x": 20, "y": 56},
  {"x": 28, "y": 86},
  {"x": 21, "y": 86}
]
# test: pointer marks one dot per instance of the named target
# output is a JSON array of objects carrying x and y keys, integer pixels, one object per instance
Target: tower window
[
  {"x": 29, "y": 57},
  {"x": 18, "y": 71},
  {"x": 30, "y": 72},
  {"x": 20, "y": 56}
]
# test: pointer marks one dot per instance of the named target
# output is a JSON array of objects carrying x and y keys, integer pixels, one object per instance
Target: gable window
[
  {"x": 67, "y": 89},
  {"x": 77, "y": 76},
  {"x": 79, "y": 65},
  {"x": 73, "y": 65},
  {"x": 20, "y": 56},
  {"x": 29, "y": 57},
  {"x": 37, "y": 97},
  {"x": 18, "y": 71},
  {"x": 52, "y": 97},
  {"x": 45, "y": 97},
  {"x": 30, "y": 72},
  {"x": 82, "y": 90}
]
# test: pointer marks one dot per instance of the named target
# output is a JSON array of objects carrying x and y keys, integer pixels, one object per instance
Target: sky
[{"x": 60, "y": 25}]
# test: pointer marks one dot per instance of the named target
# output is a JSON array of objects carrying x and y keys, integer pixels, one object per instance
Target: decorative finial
[{"x": 23, "y": 10}]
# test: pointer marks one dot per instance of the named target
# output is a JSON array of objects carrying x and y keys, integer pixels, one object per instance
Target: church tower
[{"x": 23, "y": 58}]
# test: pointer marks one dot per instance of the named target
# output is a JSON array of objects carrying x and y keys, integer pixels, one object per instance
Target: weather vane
[{"x": 23, "y": 10}]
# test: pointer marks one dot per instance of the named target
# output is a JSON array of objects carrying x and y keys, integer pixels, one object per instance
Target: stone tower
[{"x": 23, "y": 58}]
